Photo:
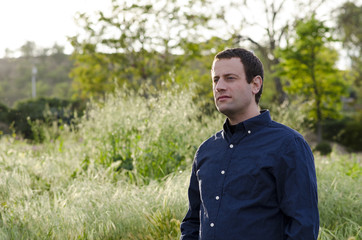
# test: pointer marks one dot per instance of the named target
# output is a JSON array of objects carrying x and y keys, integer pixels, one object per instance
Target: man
[{"x": 255, "y": 179}]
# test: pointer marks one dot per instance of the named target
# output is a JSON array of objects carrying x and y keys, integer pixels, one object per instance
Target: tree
[
  {"x": 309, "y": 66},
  {"x": 52, "y": 78},
  {"x": 138, "y": 41},
  {"x": 266, "y": 25},
  {"x": 349, "y": 20},
  {"x": 8, "y": 53},
  {"x": 28, "y": 49}
]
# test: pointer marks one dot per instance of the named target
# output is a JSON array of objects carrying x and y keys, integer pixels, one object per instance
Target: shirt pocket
[{"x": 241, "y": 182}]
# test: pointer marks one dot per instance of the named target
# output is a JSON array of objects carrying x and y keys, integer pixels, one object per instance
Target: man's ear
[{"x": 256, "y": 84}]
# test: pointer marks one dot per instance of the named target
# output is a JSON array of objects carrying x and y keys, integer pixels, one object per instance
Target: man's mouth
[{"x": 223, "y": 97}]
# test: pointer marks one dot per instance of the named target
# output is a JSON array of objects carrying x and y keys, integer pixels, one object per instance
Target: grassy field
[{"x": 123, "y": 174}]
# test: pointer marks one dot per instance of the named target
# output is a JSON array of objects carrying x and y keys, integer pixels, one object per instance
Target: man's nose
[{"x": 220, "y": 85}]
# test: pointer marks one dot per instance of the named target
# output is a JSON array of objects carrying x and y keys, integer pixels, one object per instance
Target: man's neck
[{"x": 233, "y": 120}]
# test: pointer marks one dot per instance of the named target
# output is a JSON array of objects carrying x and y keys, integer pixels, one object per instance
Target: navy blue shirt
[{"x": 254, "y": 184}]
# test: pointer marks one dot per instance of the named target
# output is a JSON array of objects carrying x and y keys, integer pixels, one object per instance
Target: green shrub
[
  {"x": 332, "y": 128},
  {"x": 4, "y": 112},
  {"x": 150, "y": 134},
  {"x": 351, "y": 135},
  {"x": 27, "y": 115},
  {"x": 346, "y": 131},
  {"x": 323, "y": 147},
  {"x": 4, "y": 119}
]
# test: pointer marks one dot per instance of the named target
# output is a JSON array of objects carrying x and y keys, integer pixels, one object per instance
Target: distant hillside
[{"x": 52, "y": 78}]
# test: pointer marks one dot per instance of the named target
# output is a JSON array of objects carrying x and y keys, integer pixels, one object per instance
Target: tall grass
[
  {"x": 340, "y": 200},
  {"x": 123, "y": 174},
  {"x": 150, "y": 136}
]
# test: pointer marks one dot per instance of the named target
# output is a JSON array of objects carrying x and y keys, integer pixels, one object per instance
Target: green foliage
[
  {"x": 349, "y": 28},
  {"x": 52, "y": 78},
  {"x": 351, "y": 135},
  {"x": 323, "y": 147},
  {"x": 4, "y": 119},
  {"x": 309, "y": 66},
  {"x": 147, "y": 134},
  {"x": 28, "y": 115},
  {"x": 332, "y": 128},
  {"x": 60, "y": 189},
  {"x": 346, "y": 131},
  {"x": 141, "y": 41},
  {"x": 4, "y": 112},
  {"x": 349, "y": 20},
  {"x": 339, "y": 189},
  {"x": 164, "y": 225}
]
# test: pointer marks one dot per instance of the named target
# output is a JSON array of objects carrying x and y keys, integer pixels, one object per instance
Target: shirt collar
[{"x": 250, "y": 125}]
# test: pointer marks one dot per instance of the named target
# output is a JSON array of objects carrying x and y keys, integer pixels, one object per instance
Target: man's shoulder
[
  {"x": 214, "y": 137},
  {"x": 285, "y": 138},
  {"x": 285, "y": 131}
]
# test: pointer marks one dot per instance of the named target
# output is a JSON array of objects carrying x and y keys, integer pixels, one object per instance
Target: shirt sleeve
[
  {"x": 297, "y": 191},
  {"x": 191, "y": 223}
]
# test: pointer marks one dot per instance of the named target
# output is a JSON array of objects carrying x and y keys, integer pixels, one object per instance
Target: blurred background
[{"x": 64, "y": 53}]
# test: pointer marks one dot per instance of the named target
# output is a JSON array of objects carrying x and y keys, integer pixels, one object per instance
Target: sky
[
  {"x": 44, "y": 22},
  {"x": 47, "y": 22}
]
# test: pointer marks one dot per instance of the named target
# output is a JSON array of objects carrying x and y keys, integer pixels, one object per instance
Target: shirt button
[
  {"x": 212, "y": 224},
  {"x": 249, "y": 131},
  {"x": 222, "y": 172},
  {"x": 217, "y": 197},
  {"x": 231, "y": 146}
]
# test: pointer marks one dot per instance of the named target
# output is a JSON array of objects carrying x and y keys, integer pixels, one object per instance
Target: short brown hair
[{"x": 252, "y": 65}]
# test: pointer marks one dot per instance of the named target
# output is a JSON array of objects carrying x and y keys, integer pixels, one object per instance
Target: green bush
[
  {"x": 323, "y": 147},
  {"x": 351, "y": 136},
  {"x": 346, "y": 131},
  {"x": 332, "y": 128},
  {"x": 4, "y": 112},
  {"x": 4, "y": 119},
  {"x": 147, "y": 134},
  {"x": 28, "y": 114}
]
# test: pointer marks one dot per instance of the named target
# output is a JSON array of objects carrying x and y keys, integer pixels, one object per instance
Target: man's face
[{"x": 233, "y": 95}]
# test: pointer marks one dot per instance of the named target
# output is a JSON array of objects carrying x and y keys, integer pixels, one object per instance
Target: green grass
[
  {"x": 124, "y": 174},
  {"x": 340, "y": 200}
]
